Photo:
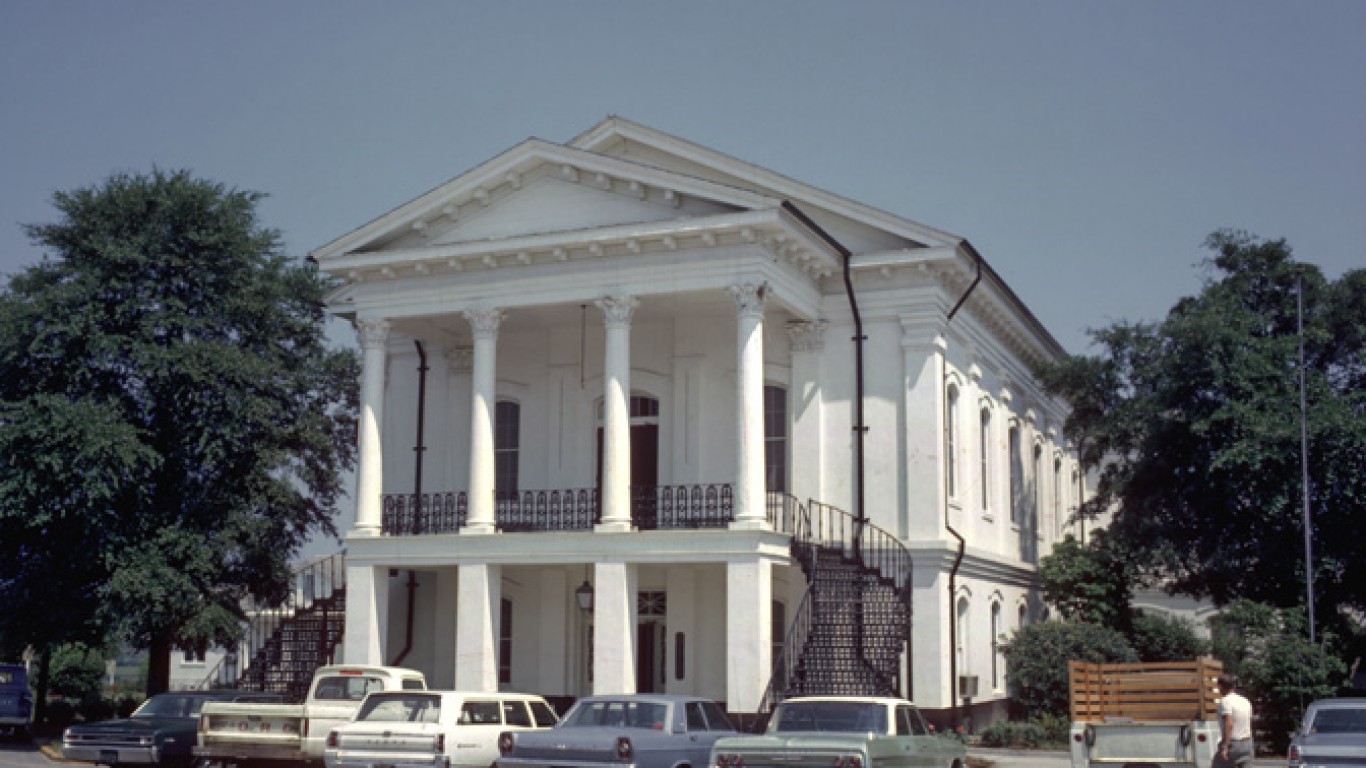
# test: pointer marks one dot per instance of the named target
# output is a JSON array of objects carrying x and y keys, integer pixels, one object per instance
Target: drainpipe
[
  {"x": 860, "y": 429},
  {"x": 418, "y": 450},
  {"x": 962, "y": 543}
]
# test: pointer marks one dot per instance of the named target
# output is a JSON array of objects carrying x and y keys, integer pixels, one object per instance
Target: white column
[
  {"x": 931, "y": 651},
  {"x": 750, "y": 497},
  {"x": 367, "y": 614},
  {"x": 616, "y": 428},
  {"x": 923, "y": 390},
  {"x": 749, "y": 616},
  {"x": 552, "y": 615},
  {"x": 374, "y": 339},
  {"x": 476, "y": 635},
  {"x": 614, "y": 628},
  {"x": 484, "y": 323},
  {"x": 459, "y": 366},
  {"x": 806, "y": 443}
]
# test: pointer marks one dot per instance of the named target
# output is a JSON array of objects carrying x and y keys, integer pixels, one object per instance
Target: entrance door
[{"x": 650, "y": 667}]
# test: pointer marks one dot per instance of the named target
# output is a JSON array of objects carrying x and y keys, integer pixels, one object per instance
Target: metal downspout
[
  {"x": 418, "y": 450},
  {"x": 962, "y": 543}
]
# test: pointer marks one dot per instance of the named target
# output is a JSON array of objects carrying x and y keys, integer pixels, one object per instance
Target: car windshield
[
  {"x": 838, "y": 716},
  {"x": 170, "y": 706},
  {"x": 1339, "y": 720},
  {"x": 400, "y": 708},
  {"x": 618, "y": 714}
]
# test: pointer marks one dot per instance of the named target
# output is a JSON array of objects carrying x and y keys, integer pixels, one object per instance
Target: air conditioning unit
[{"x": 967, "y": 686}]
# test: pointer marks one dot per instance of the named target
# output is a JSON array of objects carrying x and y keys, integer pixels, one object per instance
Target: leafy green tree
[
  {"x": 1165, "y": 638},
  {"x": 1037, "y": 656},
  {"x": 173, "y": 424},
  {"x": 1088, "y": 582},
  {"x": 1279, "y": 669},
  {"x": 1194, "y": 422},
  {"x": 77, "y": 670}
]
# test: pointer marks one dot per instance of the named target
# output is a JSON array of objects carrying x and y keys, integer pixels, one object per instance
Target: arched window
[
  {"x": 1036, "y": 498},
  {"x": 960, "y": 636},
  {"x": 996, "y": 646},
  {"x": 507, "y": 427},
  {"x": 951, "y": 440},
  {"x": 985, "y": 451},
  {"x": 1016, "y": 476},
  {"x": 1057, "y": 496},
  {"x": 775, "y": 438}
]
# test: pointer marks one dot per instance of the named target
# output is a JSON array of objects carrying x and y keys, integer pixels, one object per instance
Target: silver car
[
  {"x": 1333, "y": 734},
  {"x": 640, "y": 730}
]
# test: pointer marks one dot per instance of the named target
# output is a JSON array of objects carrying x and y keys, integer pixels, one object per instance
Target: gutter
[{"x": 948, "y": 526}]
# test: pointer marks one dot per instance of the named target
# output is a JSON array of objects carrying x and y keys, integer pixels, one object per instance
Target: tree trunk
[
  {"x": 44, "y": 680},
  {"x": 159, "y": 664}
]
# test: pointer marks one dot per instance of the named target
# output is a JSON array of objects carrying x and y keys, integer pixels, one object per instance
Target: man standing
[{"x": 1235, "y": 725}]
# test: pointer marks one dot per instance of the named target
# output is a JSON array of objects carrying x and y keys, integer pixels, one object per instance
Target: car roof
[
  {"x": 655, "y": 697},
  {"x": 1343, "y": 703}
]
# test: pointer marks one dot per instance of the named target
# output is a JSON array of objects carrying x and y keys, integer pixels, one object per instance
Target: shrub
[
  {"x": 1037, "y": 656},
  {"x": 94, "y": 707},
  {"x": 1163, "y": 638}
]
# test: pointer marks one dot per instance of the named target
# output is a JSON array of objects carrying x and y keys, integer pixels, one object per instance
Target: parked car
[
  {"x": 639, "y": 730},
  {"x": 433, "y": 729},
  {"x": 161, "y": 731},
  {"x": 1333, "y": 733},
  {"x": 859, "y": 732},
  {"x": 16, "y": 701}
]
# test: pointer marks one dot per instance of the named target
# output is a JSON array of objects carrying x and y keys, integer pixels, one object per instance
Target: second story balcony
[{"x": 653, "y": 507}]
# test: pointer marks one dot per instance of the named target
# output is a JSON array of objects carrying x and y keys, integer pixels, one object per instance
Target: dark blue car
[
  {"x": 160, "y": 732},
  {"x": 16, "y": 702}
]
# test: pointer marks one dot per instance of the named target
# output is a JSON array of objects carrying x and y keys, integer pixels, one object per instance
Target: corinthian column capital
[
  {"x": 807, "y": 336},
  {"x": 617, "y": 310},
  {"x": 484, "y": 322},
  {"x": 750, "y": 298},
  {"x": 373, "y": 333}
]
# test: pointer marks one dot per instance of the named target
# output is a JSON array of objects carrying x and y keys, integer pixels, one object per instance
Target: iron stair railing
[
  {"x": 881, "y": 627},
  {"x": 284, "y": 644}
]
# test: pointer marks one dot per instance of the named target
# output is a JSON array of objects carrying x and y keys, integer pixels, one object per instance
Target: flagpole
[{"x": 1304, "y": 458}]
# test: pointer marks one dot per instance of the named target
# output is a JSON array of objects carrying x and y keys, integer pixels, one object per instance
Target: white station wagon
[{"x": 433, "y": 729}]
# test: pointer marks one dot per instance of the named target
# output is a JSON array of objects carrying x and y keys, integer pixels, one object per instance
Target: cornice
[{"x": 772, "y": 229}]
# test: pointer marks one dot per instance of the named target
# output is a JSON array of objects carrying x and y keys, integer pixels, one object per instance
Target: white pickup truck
[
  {"x": 1144, "y": 714},
  {"x": 237, "y": 735}
]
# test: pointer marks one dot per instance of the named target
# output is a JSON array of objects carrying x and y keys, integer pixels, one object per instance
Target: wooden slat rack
[{"x": 1178, "y": 691}]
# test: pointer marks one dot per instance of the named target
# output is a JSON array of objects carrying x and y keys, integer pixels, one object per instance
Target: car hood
[
  {"x": 139, "y": 725},
  {"x": 1340, "y": 744}
]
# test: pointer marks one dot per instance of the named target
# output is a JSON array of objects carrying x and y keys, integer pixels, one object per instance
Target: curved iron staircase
[
  {"x": 853, "y": 628},
  {"x": 286, "y": 643}
]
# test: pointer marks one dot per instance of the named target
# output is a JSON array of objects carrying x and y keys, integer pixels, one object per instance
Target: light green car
[{"x": 841, "y": 732}]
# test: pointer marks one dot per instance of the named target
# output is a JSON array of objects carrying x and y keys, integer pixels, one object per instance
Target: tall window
[
  {"x": 1057, "y": 496},
  {"x": 775, "y": 438},
  {"x": 1016, "y": 476},
  {"x": 505, "y": 641},
  {"x": 777, "y": 630},
  {"x": 1036, "y": 498},
  {"x": 507, "y": 427},
  {"x": 951, "y": 439},
  {"x": 960, "y": 636},
  {"x": 985, "y": 451},
  {"x": 995, "y": 646}
]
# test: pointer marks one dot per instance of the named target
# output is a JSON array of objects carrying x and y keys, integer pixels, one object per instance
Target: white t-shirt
[{"x": 1240, "y": 710}]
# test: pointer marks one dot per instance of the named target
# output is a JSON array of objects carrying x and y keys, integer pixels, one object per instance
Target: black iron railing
[
  {"x": 653, "y": 507},
  {"x": 575, "y": 509},
  {"x": 283, "y": 644},
  {"x": 661, "y": 507},
  {"x": 404, "y": 514}
]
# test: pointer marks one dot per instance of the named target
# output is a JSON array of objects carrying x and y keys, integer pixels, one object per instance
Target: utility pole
[{"x": 1304, "y": 458}]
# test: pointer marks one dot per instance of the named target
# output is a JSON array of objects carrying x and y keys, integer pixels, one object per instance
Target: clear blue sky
[{"x": 1086, "y": 148}]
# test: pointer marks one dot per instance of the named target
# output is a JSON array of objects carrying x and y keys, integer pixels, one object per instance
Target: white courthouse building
[{"x": 611, "y": 415}]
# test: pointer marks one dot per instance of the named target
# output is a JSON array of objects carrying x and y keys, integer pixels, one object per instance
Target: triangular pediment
[
  {"x": 539, "y": 188},
  {"x": 861, "y": 228}
]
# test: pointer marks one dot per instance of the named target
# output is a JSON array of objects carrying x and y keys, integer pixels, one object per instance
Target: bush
[
  {"x": 1037, "y": 656},
  {"x": 60, "y": 713},
  {"x": 94, "y": 708},
  {"x": 1043, "y": 731},
  {"x": 1162, "y": 638}
]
